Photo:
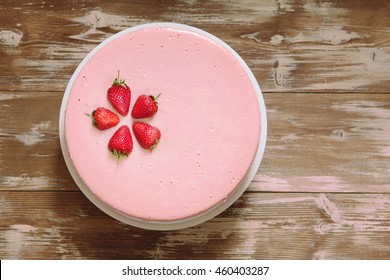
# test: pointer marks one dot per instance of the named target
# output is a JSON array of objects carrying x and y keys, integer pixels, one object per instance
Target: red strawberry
[
  {"x": 103, "y": 118},
  {"x": 147, "y": 135},
  {"x": 145, "y": 106},
  {"x": 119, "y": 95},
  {"x": 121, "y": 142}
]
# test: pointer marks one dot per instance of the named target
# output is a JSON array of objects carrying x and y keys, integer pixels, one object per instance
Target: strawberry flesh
[
  {"x": 103, "y": 118},
  {"x": 119, "y": 95},
  {"x": 145, "y": 106},
  {"x": 148, "y": 136},
  {"x": 121, "y": 142}
]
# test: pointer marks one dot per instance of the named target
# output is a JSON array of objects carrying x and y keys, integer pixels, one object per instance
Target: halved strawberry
[
  {"x": 119, "y": 95},
  {"x": 145, "y": 106},
  {"x": 103, "y": 118},
  {"x": 121, "y": 142},
  {"x": 148, "y": 136}
]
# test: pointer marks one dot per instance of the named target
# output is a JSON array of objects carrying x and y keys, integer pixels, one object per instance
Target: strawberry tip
[
  {"x": 154, "y": 145},
  {"x": 155, "y": 97},
  {"x": 118, "y": 82},
  {"x": 92, "y": 117},
  {"x": 118, "y": 155}
]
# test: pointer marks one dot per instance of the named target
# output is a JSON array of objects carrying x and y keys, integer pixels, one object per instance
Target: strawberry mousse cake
[{"x": 189, "y": 139}]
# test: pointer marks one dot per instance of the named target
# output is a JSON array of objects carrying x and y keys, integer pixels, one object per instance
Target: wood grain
[
  {"x": 323, "y": 188},
  {"x": 326, "y": 143},
  {"x": 258, "y": 226},
  {"x": 312, "y": 46}
]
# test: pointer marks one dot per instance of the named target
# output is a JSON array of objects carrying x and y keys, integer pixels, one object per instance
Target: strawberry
[
  {"x": 119, "y": 95},
  {"x": 121, "y": 142},
  {"x": 103, "y": 118},
  {"x": 145, "y": 106},
  {"x": 147, "y": 135}
]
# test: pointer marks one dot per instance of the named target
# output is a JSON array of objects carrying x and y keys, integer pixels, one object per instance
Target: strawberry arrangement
[{"x": 121, "y": 142}]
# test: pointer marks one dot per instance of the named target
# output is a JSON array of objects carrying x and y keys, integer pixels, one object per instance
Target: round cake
[{"x": 211, "y": 117}]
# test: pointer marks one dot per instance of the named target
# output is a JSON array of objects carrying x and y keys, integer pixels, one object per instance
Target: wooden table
[{"x": 323, "y": 188}]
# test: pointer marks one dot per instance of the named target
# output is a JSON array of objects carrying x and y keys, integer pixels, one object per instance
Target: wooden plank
[
  {"x": 326, "y": 143},
  {"x": 315, "y": 143},
  {"x": 30, "y": 153},
  {"x": 64, "y": 225},
  {"x": 311, "y": 46}
]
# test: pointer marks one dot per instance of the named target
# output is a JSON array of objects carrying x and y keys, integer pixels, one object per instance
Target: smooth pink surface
[{"x": 208, "y": 117}]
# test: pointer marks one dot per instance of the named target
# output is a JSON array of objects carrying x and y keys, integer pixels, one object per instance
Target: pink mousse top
[{"x": 208, "y": 116}]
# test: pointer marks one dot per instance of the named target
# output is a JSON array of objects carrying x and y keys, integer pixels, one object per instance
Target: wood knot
[
  {"x": 10, "y": 37},
  {"x": 279, "y": 73},
  {"x": 338, "y": 133}
]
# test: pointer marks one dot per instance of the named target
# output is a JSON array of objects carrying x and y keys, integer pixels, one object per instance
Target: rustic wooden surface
[{"x": 323, "y": 189}]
